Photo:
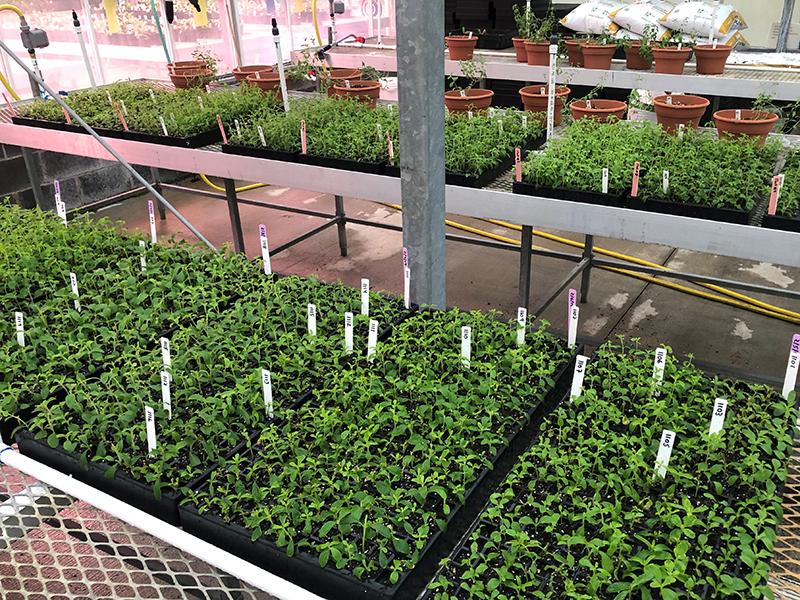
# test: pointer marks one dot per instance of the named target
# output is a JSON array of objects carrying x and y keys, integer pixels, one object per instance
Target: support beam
[
  {"x": 236, "y": 220},
  {"x": 588, "y": 254},
  {"x": 162, "y": 212},
  {"x": 786, "y": 23},
  {"x": 525, "y": 266},
  {"x": 420, "y": 66},
  {"x": 33, "y": 176},
  {"x": 341, "y": 224}
]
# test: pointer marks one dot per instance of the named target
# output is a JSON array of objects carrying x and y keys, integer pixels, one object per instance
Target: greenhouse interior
[{"x": 399, "y": 299}]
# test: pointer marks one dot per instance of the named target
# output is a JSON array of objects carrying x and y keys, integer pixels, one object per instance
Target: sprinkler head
[
  {"x": 169, "y": 10},
  {"x": 360, "y": 39},
  {"x": 275, "y": 31},
  {"x": 75, "y": 20},
  {"x": 196, "y": 4}
]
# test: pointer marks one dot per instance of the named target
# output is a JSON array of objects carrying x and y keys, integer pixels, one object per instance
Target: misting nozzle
[
  {"x": 75, "y": 20},
  {"x": 275, "y": 27}
]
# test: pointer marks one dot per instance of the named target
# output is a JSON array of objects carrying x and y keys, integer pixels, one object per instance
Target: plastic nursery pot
[
  {"x": 268, "y": 83},
  {"x": 191, "y": 78},
  {"x": 711, "y": 60},
  {"x": 671, "y": 61},
  {"x": 597, "y": 56},
  {"x": 753, "y": 123},
  {"x": 461, "y": 47},
  {"x": 634, "y": 61},
  {"x": 534, "y": 97},
  {"x": 575, "y": 52},
  {"x": 338, "y": 77},
  {"x": 537, "y": 53},
  {"x": 519, "y": 48},
  {"x": 364, "y": 91},
  {"x": 685, "y": 110},
  {"x": 241, "y": 73},
  {"x": 185, "y": 65},
  {"x": 601, "y": 110},
  {"x": 477, "y": 101}
]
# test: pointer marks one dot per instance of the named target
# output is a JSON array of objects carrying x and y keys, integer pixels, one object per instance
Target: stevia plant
[{"x": 788, "y": 199}]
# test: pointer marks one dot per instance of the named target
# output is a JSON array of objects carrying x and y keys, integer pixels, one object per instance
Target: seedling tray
[
  {"x": 42, "y": 124},
  {"x": 304, "y": 569},
  {"x": 696, "y": 211},
  {"x": 616, "y": 200},
  {"x": 782, "y": 223},
  {"x": 212, "y": 136},
  {"x": 257, "y": 152},
  {"x": 342, "y": 163}
]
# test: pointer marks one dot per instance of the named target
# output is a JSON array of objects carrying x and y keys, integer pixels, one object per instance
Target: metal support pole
[
  {"x": 525, "y": 266},
  {"x": 87, "y": 14},
  {"x": 420, "y": 66},
  {"x": 236, "y": 24},
  {"x": 341, "y": 224},
  {"x": 786, "y": 23},
  {"x": 588, "y": 254},
  {"x": 288, "y": 5},
  {"x": 33, "y": 176},
  {"x": 236, "y": 220},
  {"x": 162, "y": 212}
]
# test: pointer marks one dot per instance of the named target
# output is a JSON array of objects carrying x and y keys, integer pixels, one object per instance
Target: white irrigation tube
[{"x": 229, "y": 563}]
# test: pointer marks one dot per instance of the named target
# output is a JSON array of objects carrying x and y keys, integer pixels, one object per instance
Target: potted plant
[
  {"x": 268, "y": 82},
  {"x": 537, "y": 43},
  {"x": 598, "y": 53},
  {"x": 523, "y": 20},
  {"x": 755, "y": 123},
  {"x": 191, "y": 78},
  {"x": 367, "y": 92},
  {"x": 574, "y": 48},
  {"x": 465, "y": 99},
  {"x": 328, "y": 79},
  {"x": 241, "y": 73},
  {"x": 711, "y": 58},
  {"x": 670, "y": 57},
  {"x": 185, "y": 65},
  {"x": 589, "y": 107},
  {"x": 639, "y": 53},
  {"x": 678, "y": 109},
  {"x": 461, "y": 47},
  {"x": 535, "y": 99}
]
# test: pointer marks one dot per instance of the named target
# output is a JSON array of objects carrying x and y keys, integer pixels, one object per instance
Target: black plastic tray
[
  {"x": 41, "y": 124},
  {"x": 782, "y": 223},
  {"x": 697, "y": 211},
  {"x": 260, "y": 153},
  {"x": 303, "y": 568},
  {"x": 528, "y": 189},
  {"x": 342, "y": 163},
  {"x": 212, "y": 136}
]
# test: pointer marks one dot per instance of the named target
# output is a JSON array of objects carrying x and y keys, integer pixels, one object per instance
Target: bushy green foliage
[{"x": 790, "y": 194}]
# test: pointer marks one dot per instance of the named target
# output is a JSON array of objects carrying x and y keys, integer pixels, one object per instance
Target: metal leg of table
[
  {"x": 341, "y": 224},
  {"x": 525, "y": 266},
  {"x": 162, "y": 212},
  {"x": 233, "y": 212},
  {"x": 588, "y": 254},
  {"x": 33, "y": 176}
]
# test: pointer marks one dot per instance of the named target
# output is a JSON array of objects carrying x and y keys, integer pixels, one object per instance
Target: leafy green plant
[{"x": 473, "y": 71}]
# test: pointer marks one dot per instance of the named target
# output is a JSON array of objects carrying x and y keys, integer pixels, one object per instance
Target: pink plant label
[
  {"x": 773, "y": 197},
  {"x": 66, "y": 116},
  {"x": 790, "y": 381},
  {"x": 518, "y": 162},
  {"x": 11, "y": 108},
  {"x": 222, "y": 130},
  {"x": 121, "y": 117},
  {"x": 635, "y": 186},
  {"x": 391, "y": 146},
  {"x": 303, "y": 135}
]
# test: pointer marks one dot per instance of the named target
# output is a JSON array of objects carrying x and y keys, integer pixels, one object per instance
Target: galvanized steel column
[{"x": 420, "y": 68}]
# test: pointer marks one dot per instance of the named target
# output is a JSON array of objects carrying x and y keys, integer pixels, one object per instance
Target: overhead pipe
[{"x": 233, "y": 565}]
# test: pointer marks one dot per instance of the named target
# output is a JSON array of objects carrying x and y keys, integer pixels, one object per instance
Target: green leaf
[
  {"x": 52, "y": 440},
  {"x": 401, "y": 545},
  {"x": 110, "y": 472},
  {"x": 326, "y": 527},
  {"x": 323, "y": 557}
]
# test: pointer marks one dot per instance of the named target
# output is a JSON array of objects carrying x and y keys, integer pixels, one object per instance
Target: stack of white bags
[{"x": 692, "y": 18}]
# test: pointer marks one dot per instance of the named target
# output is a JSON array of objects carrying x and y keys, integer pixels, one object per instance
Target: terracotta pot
[
  {"x": 338, "y": 76},
  {"x": 538, "y": 53},
  {"x": 268, "y": 83},
  {"x": 519, "y": 48},
  {"x": 596, "y": 56},
  {"x": 684, "y": 109},
  {"x": 601, "y": 110},
  {"x": 477, "y": 101},
  {"x": 633, "y": 61},
  {"x": 191, "y": 78},
  {"x": 671, "y": 60},
  {"x": 363, "y": 91},
  {"x": 575, "y": 52},
  {"x": 185, "y": 65},
  {"x": 710, "y": 60},
  {"x": 752, "y": 124},
  {"x": 241, "y": 73},
  {"x": 534, "y": 97},
  {"x": 461, "y": 47}
]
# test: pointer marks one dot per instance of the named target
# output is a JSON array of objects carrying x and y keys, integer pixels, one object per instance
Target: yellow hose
[
  {"x": 241, "y": 189},
  {"x": 774, "y": 312},
  {"x": 316, "y": 28},
  {"x": 3, "y": 80},
  {"x": 13, "y": 9}
]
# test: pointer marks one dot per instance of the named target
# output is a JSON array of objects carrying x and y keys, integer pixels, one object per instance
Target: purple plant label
[
  {"x": 573, "y": 298},
  {"x": 796, "y": 344},
  {"x": 262, "y": 231},
  {"x": 57, "y": 186},
  {"x": 664, "y": 452},
  {"x": 790, "y": 381},
  {"x": 718, "y": 416},
  {"x": 577, "y": 377},
  {"x": 405, "y": 257}
]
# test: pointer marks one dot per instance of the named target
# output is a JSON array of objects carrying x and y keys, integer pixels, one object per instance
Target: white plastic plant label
[
  {"x": 522, "y": 323},
  {"x": 664, "y": 452},
  {"x": 572, "y": 335},
  {"x": 589, "y": 104},
  {"x": 659, "y": 362},
  {"x": 108, "y": 95},
  {"x": 153, "y": 237},
  {"x": 152, "y": 96},
  {"x": 500, "y": 127},
  {"x": 681, "y": 127},
  {"x": 577, "y": 376},
  {"x": 669, "y": 99},
  {"x": 407, "y": 287},
  {"x": 266, "y": 382},
  {"x": 347, "y": 83},
  {"x": 73, "y": 283},
  {"x": 463, "y": 94},
  {"x": 718, "y": 416},
  {"x": 150, "y": 425},
  {"x": 365, "y": 296},
  {"x": 124, "y": 109},
  {"x": 469, "y": 114},
  {"x": 142, "y": 259},
  {"x": 312, "y": 319},
  {"x": 605, "y": 180},
  {"x": 19, "y": 322},
  {"x": 262, "y": 232},
  {"x": 238, "y": 128},
  {"x": 372, "y": 339},
  {"x": 166, "y": 397},
  {"x": 466, "y": 345},
  {"x": 61, "y": 208},
  {"x": 491, "y": 113},
  {"x": 542, "y": 91},
  {"x": 524, "y": 121},
  {"x": 261, "y": 136},
  {"x": 166, "y": 358},
  {"x": 665, "y": 182},
  {"x": 163, "y": 125},
  {"x": 200, "y": 102},
  {"x": 348, "y": 332},
  {"x": 790, "y": 381}
]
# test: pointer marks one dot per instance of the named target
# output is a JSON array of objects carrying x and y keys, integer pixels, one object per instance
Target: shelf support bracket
[
  {"x": 525, "y": 266},
  {"x": 162, "y": 212},
  {"x": 588, "y": 255},
  {"x": 233, "y": 211},
  {"x": 341, "y": 224}
]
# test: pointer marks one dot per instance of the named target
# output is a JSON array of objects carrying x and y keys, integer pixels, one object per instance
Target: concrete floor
[{"x": 485, "y": 279}]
